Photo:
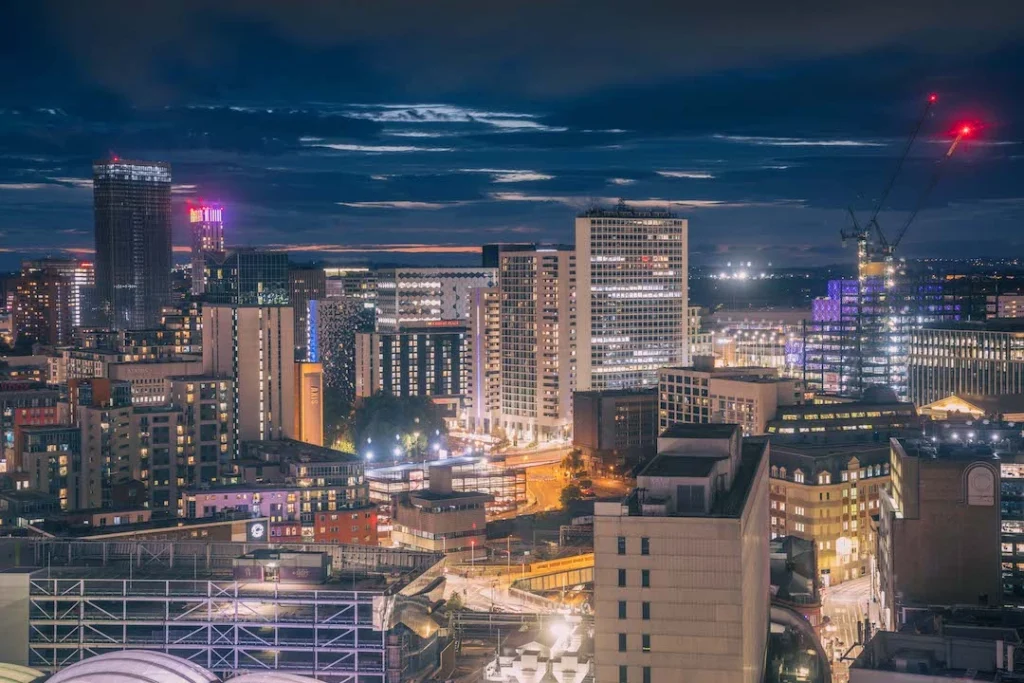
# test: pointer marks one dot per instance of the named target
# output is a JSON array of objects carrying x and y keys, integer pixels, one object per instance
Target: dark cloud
[
  {"x": 761, "y": 121},
  {"x": 162, "y": 51}
]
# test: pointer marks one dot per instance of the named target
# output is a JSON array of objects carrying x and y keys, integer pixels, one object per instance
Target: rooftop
[
  {"x": 624, "y": 210},
  {"x": 993, "y": 325},
  {"x": 289, "y": 450},
  {"x": 666, "y": 465},
  {"x": 436, "y": 496},
  {"x": 728, "y": 504},
  {"x": 682, "y": 430},
  {"x": 941, "y": 655}
]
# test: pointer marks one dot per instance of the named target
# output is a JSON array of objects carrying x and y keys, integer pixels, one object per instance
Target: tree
[
  {"x": 416, "y": 421},
  {"x": 573, "y": 462},
  {"x": 454, "y": 603},
  {"x": 570, "y": 493},
  {"x": 338, "y": 421}
]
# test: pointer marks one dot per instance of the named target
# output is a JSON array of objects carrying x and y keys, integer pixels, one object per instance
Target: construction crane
[
  {"x": 862, "y": 233},
  {"x": 877, "y": 344}
]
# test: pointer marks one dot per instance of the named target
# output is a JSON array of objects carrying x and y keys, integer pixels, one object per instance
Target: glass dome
[
  {"x": 14, "y": 673},
  {"x": 134, "y": 666},
  {"x": 271, "y": 677}
]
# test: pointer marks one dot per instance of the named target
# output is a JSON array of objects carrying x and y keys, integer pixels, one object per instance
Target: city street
[
  {"x": 480, "y": 594},
  {"x": 845, "y": 606}
]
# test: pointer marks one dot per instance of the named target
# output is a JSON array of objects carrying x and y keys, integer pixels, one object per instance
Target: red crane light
[
  {"x": 965, "y": 130},
  {"x": 933, "y": 98}
]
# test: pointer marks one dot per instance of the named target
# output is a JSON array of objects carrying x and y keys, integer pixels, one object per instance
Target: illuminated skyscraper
[
  {"x": 207, "y": 237},
  {"x": 632, "y": 296},
  {"x": 81, "y": 276},
  {"x": 537, "y": 337},
  {"x": 132, "y": 208}
]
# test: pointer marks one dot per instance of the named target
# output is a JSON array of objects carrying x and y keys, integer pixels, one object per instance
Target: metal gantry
[{"x": 225, "y": 626}]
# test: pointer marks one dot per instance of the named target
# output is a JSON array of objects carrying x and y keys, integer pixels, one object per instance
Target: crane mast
[{"x": 874, "y": 350}]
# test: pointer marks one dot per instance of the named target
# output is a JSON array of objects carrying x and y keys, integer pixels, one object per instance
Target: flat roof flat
[
  {"x": 667, "y": 465},
  {"x": 682, "y": 430}
]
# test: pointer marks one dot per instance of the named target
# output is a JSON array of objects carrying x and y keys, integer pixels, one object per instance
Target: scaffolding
[{"x": 86, "y": 598}]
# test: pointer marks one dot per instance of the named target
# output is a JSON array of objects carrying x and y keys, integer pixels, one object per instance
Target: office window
[
  {"x": 622, "y": 545},
  {"x": 645, "y": 578},
  {"x": 645, "y": 546},
  {"x": 622, "y": 642},
  {"x": 645, "y": 610},
  {"x": 623, "y": 673},
  {"x": 622, "y": 609},
  {"x": 645, "y": 642},
  {"x": 647, "y": 674},
  {"x": 622, "y": 578}
]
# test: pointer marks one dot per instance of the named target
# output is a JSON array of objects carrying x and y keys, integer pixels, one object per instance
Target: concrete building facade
[
  {"x": 966, "y": 358},
  {"x": 538, "y": 316},
  {"x": 939, "y": 529},
  {"x": 483, "y": 360},
  {"x": 253, "y": 346},
  {"x": 416, "y": 297},
  {"x": 615, "y": 429},
  {"x": 681, "y": 566},
  {"x": 633, "y": 296},
  {"x": 749, "y": 397}
]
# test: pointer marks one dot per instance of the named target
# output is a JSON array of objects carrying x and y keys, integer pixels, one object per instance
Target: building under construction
[{"x": 858, "y": 335}]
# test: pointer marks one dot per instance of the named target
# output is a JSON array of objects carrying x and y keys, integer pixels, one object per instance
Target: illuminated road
[
  {"x": 483, "y": 594},
  {"x": 544, "y": 488},
  {"x": 845, "y": 605}
]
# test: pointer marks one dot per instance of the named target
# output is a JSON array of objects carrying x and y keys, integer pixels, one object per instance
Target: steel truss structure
[
  {"x": 89, "y": 598},
  {"x": 225, "y": 626}
]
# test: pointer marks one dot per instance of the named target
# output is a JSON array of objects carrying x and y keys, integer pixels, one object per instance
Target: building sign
[
  {"x": 204, "y": 214},
  {"x": 256, "y": 532}
]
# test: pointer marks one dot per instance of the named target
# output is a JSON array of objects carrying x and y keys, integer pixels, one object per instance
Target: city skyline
[{"x": 368, "y": 148}]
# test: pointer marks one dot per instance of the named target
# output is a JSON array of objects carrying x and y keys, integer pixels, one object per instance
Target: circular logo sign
[{"x": 257, "y": 530}]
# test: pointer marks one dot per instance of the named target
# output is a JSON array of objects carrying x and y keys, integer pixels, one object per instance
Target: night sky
[{"x": 411, "y": 131}]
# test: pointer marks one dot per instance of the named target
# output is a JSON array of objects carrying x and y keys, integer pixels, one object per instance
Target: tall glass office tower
[{"x": 132, "y": 208}]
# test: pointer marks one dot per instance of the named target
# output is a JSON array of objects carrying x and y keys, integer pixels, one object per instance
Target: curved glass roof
[
  {"x": 14, "y": 673},
  {"x": 134, "y": 666},
  {"x": 271, "y": 677}
]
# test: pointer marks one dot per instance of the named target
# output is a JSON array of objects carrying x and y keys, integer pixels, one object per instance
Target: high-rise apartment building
[
  {"x": 333, "y": 325},
  {"x": 633, "y": 296},
  {"x": 985, "y": 358},
  {"x": 207, "y": 224},
  {"x": 423, "y": 362},
  {"x": 538, "y": 314},
  {"x": 42, "y": 306},
  {"x": 417, "y": 297},
  {"x": 207, "y": 448},
  {"x": 81, "y": 276},
  {"x": 51, "y": 459},
  {"x": 483, "y": 359},
  {"x": 103, "y": 410},
  {"x": 247, "y": 277},
  {"x": 681, "y": 565},
  {"x": 304, "y": 285},
  {"x": 253, "y": 345},
  {"x": 354, "y": 281},
  {"x": 132, "y": 206}
]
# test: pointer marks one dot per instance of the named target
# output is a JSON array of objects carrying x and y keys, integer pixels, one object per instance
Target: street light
[{"x": 369, "y": 455}]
